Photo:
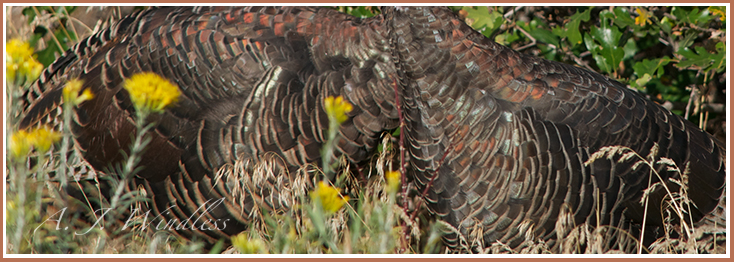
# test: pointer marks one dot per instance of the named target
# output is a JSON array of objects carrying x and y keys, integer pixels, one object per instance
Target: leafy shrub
[{"x": 676, "y": 56}]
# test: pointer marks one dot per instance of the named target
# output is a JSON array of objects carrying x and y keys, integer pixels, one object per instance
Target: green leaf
[
  {"x": 646, "y": 69},
  {"x": 630, "y": 49},
  {"x": 689, "y": 37},
  {"x": 666, "y": 25},
  {"x": 649, "y": 67},
  {"x": 720, "y": 57},
  {"x": 691, "y": 15},
  {"x": 604, "y": 45},
  {"x": 642, "y": 81},
  {"x": 698, "y": 17},
  {"x": 544, "y": 36},
  {"x": 590, "y": 44},
  {"x": 359, "y": 11},
  {"x": 623, "y": 18},
  {"x": 700, "y": 58},
  {"x": 572, "y": 27},
  {"x": 47, "y": 56},
  {"x": 31, "y": 13},
  {"x": 507, "y": 38},
  {"x": 547, "y": 52},
  {"x": 680, "y": 14},
  {"x": 704, "y": 59},
  {"x": 607, "y": 36},
  {"x": 482, "y": 20}
]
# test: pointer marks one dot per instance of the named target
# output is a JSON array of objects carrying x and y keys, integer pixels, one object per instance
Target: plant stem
[
  {"x": 18, "y": 183},
  {"x": 133, "y": 159},
  {"x": 401, "y": 145},
  {"x": 66, "y": 136},
  {"x": 328, "y": 152}
]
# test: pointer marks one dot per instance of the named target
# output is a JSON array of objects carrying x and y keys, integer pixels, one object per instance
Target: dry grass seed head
[
  {"x": 638, "y": 163},
  {"x": 574, "y": 240},
  {"x": 607, "y": 151},
  {"x": 527, "y": 227},
  {"x": 669, "y": 162},
  {"x": 627, "y": 156},
  {"x": 476, "y": 233},
  {"x": 653, "y": 152},
  {"x": 565, "y": 221},
  {"x": 501, "y": 248}
]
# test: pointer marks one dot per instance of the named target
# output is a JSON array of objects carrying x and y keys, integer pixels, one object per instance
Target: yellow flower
[
  {"x": 41, "y": 138},
  {"x": 248, "y": 246},
  {"x": 393, "y": 180},
  {"x": 19, "y": 144},
  {"x": 337, "y": 108},
  {"x": 20, "y": 61},
  {"x": 720, "y": 11},
  {"x": 329, "y": 197},
  {"x": 71, "y": 92},
  {"x": 643, "y": 18},
  {"x": 151, "y": 92}
]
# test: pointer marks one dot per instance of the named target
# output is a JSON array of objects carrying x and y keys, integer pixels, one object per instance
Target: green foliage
[
  {"x": 661, "y": 51},
  {"x": 60, "y": 38},
  {"x": 369, "y": 225},
  {"x": 359, "y": 11},
  {"x": 571, "y": 30},
  {"x": 702, "y": 59},
  {"x": 646, "y": 69},
  {"x": 605, "y": 45},
  {"x": 483, "y": 19}
]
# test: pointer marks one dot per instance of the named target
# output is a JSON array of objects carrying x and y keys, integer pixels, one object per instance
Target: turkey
[
  {"x": 249, "y": 81},
  {"x": 503, "y": 139},
  {"x": 498, "y": 140}
]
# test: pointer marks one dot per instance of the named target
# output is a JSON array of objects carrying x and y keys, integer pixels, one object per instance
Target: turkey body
[
  {"x": 505, "y": 138},
  {"x": 499, "y": 138},
  {"x": 249, "y": 84}
]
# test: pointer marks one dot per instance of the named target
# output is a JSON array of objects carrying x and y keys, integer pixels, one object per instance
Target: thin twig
[
  {"x": 644, "y": 216},
  {"x": 401, "y": 144},
  {"x": 81, "y": 23},
  {"x": 533, "y": 42},
  {"x": 63, "y": 28},
  {"x": 690, "y": 100},
  {"x": 579, "y": 61},
  {"x": 512, "y": 12},
  {"x": 73, "y": 28},
  {"x": 58, "y": 44}
]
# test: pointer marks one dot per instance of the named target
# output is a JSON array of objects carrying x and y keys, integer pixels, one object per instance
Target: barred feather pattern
[
  {"x": 500, "y": 137},
  {"x": 505, "y": 137},
  {"x": 250, "y": 87}
]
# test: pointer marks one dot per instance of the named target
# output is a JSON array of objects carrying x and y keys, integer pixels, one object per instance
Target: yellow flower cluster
[
  {"x": 21, "y": 63},
  {"x": 337, "y": 108},
  {"x": 248, "y": 246},
  {"x": 330, "y": 198},
  {"x": 393, "y": 180},
  {"x": 149, "y": 91},
  {"x": 643, "y": 18},
  {"x": 720, "y": 11},
  {"x": 71, "y": 92},
  {"x": 22, "y": 141}
]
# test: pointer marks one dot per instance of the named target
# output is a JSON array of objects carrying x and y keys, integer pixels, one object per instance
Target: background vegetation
[{"x": 675, "y": 56}]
